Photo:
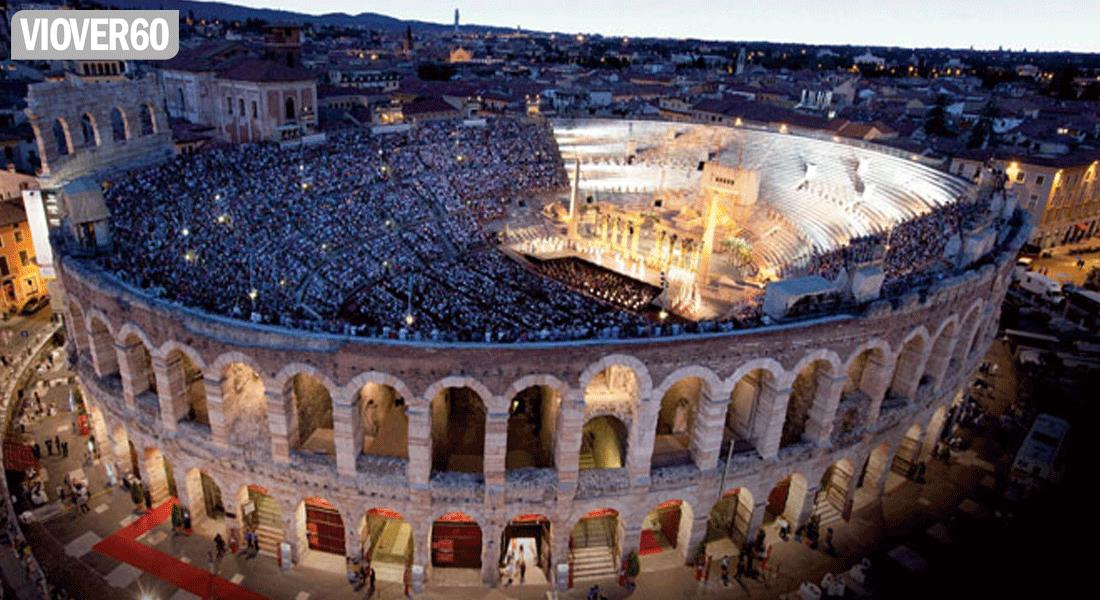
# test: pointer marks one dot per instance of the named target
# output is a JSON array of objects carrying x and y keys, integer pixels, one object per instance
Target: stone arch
[
  {"x": 604, "y": 443},
  {"x": 787, "y": 499},
  {"x": 731, "y": 518},
  {"x": 76, "y": 325},
  {"x": 968, "y": 330},
  {"x": 319, "y": 524},
  {"x": 597, "y": 535},
  {"x": 120, "y": 127},
  {"x": 528, "y": 536},
  {"x": 205, "y": 499},
  {"x": 908, "y": 453},
  {"x": 459, "y": 381},
  {"x": 811, "y": 382},
  {"x": 532, "y": 426},
  {"x": 456, "y": 541},
  {"x": 682, "y": 396},
  {"x": 89, "y": 130},
  {"x": 184, "y": 384},
  {"x": 243, "y": 399},
  {"x": 832, "y": 496},
  {"x": 61, "y": 137},
  {"x": 867, "y": 373},
  {"x": 909, "y": 365},
  {"x": 641, "y": 386},
  {"x": 265, "y": 517},
  {"x": 307, "y": 397},
  {"x": 942, "y": 349},
  {"x": 668, "y": 526},
  {"x": 135, "y": 364},
  {"x": 380, "y": 421},
  {"x": 753, "y": 389},
  {"x": 874, "y": 469},
  {"x": 387, "y": 541},
  {"x": 458, "y": 419},
  {"x": 147, "y": 119},
  {"x": 158, "y": 479}
]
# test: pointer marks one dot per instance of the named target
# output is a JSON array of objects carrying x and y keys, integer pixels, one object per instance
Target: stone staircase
[
  {"x": 269, "y": 527},
  {"x": 828, "y": 513},
  {"x": 593, "y": 552}
]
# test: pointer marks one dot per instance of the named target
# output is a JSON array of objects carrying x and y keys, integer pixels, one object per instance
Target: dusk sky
[{"x": 984, "y": 24}]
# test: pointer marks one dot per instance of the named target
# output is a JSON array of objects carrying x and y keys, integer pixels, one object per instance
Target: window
[
  {"x": 229, "y": 104},
  {"x": 255, "y": 110},
  {"x": 240, "y": 105},
  {"x": 24, "y": 260},
  {"x": 32, "y": 285},
  {"x": 1039, "y": 179},
  {"x": 18, "y": 236},
  {"x": 4, "y": 270},
  {"x": 1020, "y": 176}
]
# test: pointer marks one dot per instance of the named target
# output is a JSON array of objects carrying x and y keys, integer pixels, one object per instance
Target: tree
[
  {"x": 936, "y": 123},
  {"x": 738, "y": 251},
  {"x": 982, "y": 133}
]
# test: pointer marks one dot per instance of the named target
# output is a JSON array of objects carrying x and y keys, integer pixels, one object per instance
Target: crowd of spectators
[{"x": 360, "y": 235}]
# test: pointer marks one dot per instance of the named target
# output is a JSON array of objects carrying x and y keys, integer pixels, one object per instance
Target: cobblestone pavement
[{"x": 63, "y": 541}]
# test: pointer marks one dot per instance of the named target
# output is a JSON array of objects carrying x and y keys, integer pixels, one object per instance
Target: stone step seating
[{"x": 587, "y": 460}]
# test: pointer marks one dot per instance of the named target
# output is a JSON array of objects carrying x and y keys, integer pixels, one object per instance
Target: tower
[
  {"x": 573, "y": 193},
  {"x": 740, "y": 62},
  {"x": 456, "y": 21}
]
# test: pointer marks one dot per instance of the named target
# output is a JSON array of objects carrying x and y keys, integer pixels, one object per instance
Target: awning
[{"x": 84, "y": 202}]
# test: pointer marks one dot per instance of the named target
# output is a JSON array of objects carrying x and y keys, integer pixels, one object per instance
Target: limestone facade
[{"x": 865, "y": 384}]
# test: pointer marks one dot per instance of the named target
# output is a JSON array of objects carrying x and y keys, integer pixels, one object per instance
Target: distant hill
[{"x": 231, "y": 12}]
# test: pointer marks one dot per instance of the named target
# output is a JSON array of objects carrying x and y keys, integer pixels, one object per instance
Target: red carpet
[
  {"x": 124, "y": 546},
  {"x": 650, "y": 544}
]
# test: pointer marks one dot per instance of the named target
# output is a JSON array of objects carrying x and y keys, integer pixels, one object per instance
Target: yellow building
[
  {"x": 1063, "y": 195},
  {"x": 19, "y": 277}
]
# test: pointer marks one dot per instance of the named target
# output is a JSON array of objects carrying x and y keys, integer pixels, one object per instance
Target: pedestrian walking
[
  {"x": 65, "y": 449},
  {"x": 49, "y": 447},
  {"x": 829, "y": 547},
  {"x": 726, "y": 570},
  {"x": 57, "y": 442},
  {"x": 37, "y": 451},
  {"x": 522, "y": 569},
  {"x": 370, "y": 588},
  {"x": 219, "y": 545}
]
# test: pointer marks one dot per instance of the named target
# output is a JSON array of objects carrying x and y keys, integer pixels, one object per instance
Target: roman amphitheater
[{"x": 736, "y": 393}]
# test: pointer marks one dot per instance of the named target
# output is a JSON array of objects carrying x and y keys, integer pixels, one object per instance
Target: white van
[
  {"x": 1038, "y": 462},
  {"x": 1041, "y": 285}
]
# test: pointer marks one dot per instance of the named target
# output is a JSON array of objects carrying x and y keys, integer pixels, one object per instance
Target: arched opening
[
  {"x": 456, "y": 544},
  {"x": 967, "y": 332},
  {"x": 311, "y": 429},
  {"x": 906, "y": 458},
  {"x": 140, "y": 377},
  {"x": 907, "y": 372},
  {"x": 786, "y": 500},
  {"x": 672, "y": 443},
  {"x": 832, "y": 495},
  {"x": 742, "y": 428},
  {"x": 207, "y": 507},
  {"x": 321, "y": 525},
  {"x": 291, "y": 114},
  {"x": 532, "y": 419},
  {"x": 594, "y": 545},
  {"x": 188, "y": 389},
  {"x": 61, "y": 137},
  {"x": 244, "y": 406},
  {"x": 158, "y": 476},
  {"x": 387, "y": 543},
  {"x": 260, "y": 513},
  {"x": 603, "y": 443},
  {"x": 458, "y": 431},
  {"x": 878, "y": 462},
  {"x": 383, "y": 420},
  {"x": 728, "y": 526},
  {"x": 119, "y": 131},
  {"x": 525, "y": 550},
  {"x": 860, "y": 389},
  {"x": 76, "y": 328},
  {"x": 616, "y": 383},
  {"x": 665, "y": 529},
  {"x": 104, "y": 357},
  {"x": 803, "y": 393},
  {"x": 88, "y": 131},
  {"x": 938, "y": 360},
  {"x": 148, "y": 121}
]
